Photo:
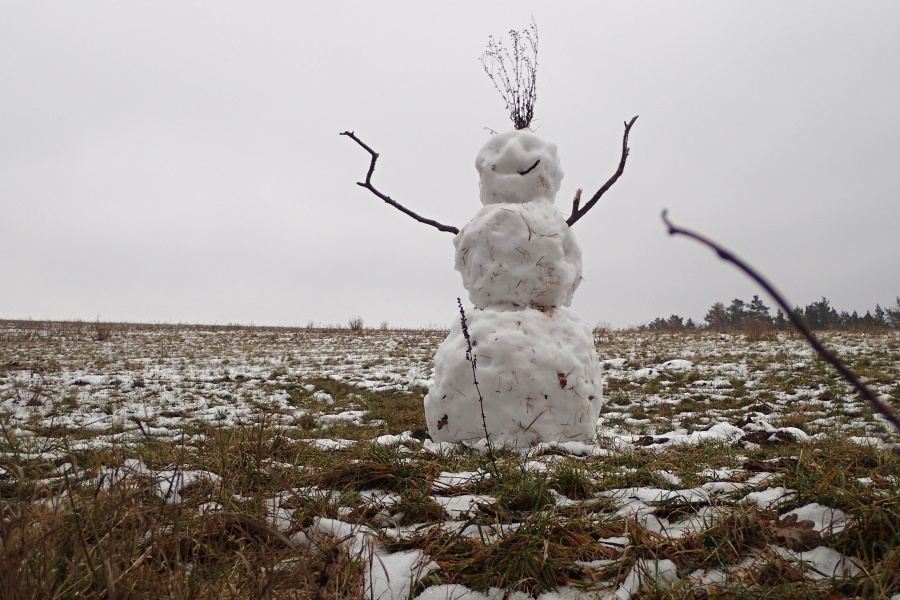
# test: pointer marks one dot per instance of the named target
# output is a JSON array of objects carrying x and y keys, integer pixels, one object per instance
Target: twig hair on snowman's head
[{"x": 514, "y": 72}]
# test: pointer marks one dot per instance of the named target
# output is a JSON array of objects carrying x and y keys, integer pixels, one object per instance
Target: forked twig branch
[
  {"x": 579, "y": 211},
  {"x": 882, "y": 407},
  {"x": 368, "y": 185}
]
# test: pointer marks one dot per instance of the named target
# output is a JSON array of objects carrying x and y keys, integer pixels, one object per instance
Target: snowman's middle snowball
[{"x": 518, "y": 255}]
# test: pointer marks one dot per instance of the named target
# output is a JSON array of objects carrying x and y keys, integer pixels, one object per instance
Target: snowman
[{"x": 538, "y": 373}]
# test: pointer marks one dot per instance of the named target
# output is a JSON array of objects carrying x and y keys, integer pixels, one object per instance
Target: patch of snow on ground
[
  {"x": 459, "y": 506},
  {"x": 351, "y": 416},
  {"x": 453, "y": 591},
  {"x": 677, "y": 365},
  {"x": 447, "y": 480},
  {"x": 646, "y": 573},
  {"x": 390, "y": 576},
  {"x": 771, "y": 497},
  {"x": 330, "y": 444},
  {"x": 827, "y": 521},
  {"x": 391, "y": 439},
  {"x": 645, "y": 373},
  {"x": 821, "y": 562}
]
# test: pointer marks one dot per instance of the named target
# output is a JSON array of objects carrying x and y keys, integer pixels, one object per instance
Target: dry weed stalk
[
  {"x": 513, "y": 72},
  {"x": 473, "y": 360},
  {"x": 756, "y": 330},
  {"x": 356, "y": 324},
  {"x": 102, "y": 331}
]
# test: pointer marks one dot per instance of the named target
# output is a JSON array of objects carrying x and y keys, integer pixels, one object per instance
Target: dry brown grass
[
  {"x": 73, "y": 536},
  {"x": 123, "y": 541}
]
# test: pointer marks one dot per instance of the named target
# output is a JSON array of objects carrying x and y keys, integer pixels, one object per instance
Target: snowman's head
[{"x": 518, "y": 166}]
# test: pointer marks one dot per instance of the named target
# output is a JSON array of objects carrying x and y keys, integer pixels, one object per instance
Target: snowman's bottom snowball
[{"x": 538, "y": 373}]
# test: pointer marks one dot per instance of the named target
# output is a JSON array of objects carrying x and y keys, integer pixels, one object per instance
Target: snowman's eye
[{"x": 531, "y": 168}]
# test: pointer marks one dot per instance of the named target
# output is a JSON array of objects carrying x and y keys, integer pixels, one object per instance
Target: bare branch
[
  {"x": 882, "y": 407},
  {"x": 577, "y": 211},
  {"x": 368, "y": 185}
]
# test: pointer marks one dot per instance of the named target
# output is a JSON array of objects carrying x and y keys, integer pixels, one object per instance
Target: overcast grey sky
[{"x": 180, "y": 161}]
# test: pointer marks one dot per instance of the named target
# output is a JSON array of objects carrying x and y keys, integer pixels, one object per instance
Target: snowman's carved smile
[{"x": 531, "y": 168}]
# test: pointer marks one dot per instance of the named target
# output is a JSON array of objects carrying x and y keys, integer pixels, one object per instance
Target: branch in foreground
[
  {"x": 368, "y": 185},
  {"x": 577, "y": 210},
  {"x": 882, "y": 407}
]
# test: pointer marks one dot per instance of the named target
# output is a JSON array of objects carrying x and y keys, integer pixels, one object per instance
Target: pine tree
[
  {"x": 821, "y": 315},
  {"x": 737, "y": 312},
  {"x": 758, "y": 310},
  {"x": 656, "y": 324},
  {"x": 780, "y": 320},
  {"x": 675, "y": 322},
  {"x": 716, "y": 317},
  {"x": 892, "y": 315}
]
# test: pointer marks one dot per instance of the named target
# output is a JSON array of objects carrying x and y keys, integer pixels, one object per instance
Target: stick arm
[
  {"x": 579, "y": 211},
  {"x": 369, "y": 186}
]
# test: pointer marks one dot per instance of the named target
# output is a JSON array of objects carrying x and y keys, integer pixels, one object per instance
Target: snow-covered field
[
  {"x": 722, "y": 465},
  {"x": 168, "y": 380}
]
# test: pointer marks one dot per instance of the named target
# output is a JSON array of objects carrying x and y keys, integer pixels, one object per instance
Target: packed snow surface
[
  {"x": 518, "y": 166},
  {"x": 538, "y": 375},
  {"x": 518, "y": 255}
]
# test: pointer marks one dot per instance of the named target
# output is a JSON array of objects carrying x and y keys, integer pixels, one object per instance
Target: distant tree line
[{"x": 740, "y": 315}]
